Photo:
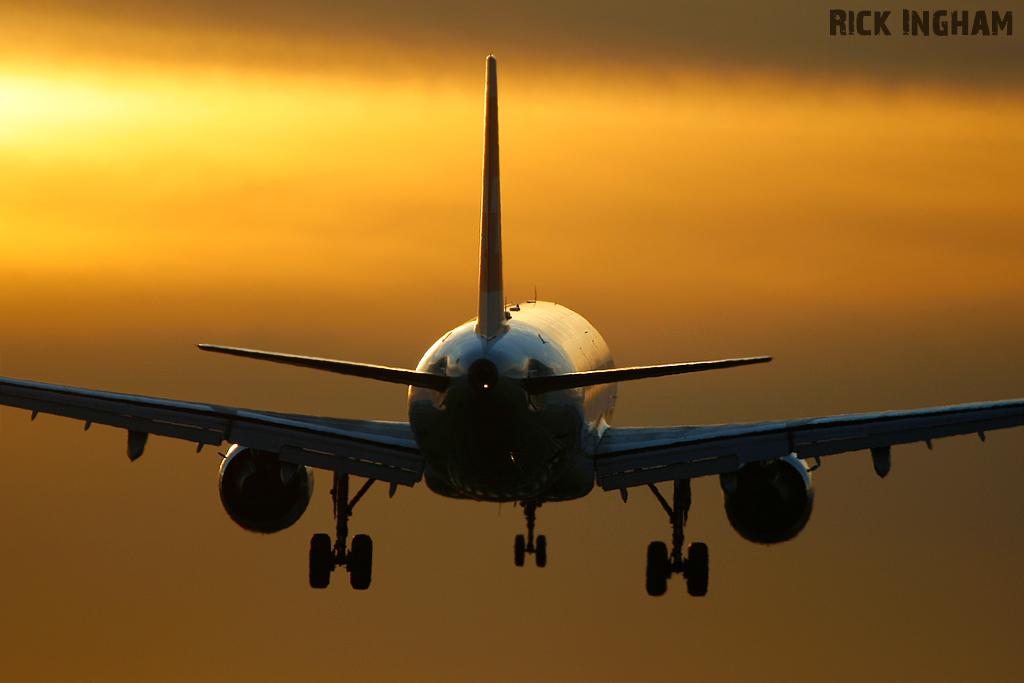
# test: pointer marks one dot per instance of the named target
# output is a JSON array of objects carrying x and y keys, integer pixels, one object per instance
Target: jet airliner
[{"x": 513, "y": 406}]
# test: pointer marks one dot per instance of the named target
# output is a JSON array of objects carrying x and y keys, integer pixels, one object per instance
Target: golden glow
[
  {"x": 868, "y": 238},
  {"x": 347, "y": 185},
  {"x": 169, "y": 178}
]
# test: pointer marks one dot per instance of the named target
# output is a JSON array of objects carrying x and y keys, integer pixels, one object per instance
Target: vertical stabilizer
[{"x": 491, "y": 316}]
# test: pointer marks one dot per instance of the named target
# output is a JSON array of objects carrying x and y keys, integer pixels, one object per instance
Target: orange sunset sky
[{"x": 699, "y": 180}]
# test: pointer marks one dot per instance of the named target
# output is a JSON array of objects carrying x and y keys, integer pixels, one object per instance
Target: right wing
[
  {"x": 648, "y": 455},
  {"x": 372, "y": 449}
]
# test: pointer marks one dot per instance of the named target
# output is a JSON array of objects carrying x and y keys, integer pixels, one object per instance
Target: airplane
[{"x": 513, "y": 406}]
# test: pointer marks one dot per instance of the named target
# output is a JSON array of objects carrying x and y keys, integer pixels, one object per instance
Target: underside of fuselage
[{"x": 485, "y": 437}]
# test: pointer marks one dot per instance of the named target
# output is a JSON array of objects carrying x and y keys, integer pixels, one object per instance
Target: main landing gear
[
  {"x": 358, "y": 559},
  {"x": 660, "y": 564},
  {"x": 526, "y": 544}
]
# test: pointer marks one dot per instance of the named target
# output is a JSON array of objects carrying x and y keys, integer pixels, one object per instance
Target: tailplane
[{"x": 491, "y": 320}]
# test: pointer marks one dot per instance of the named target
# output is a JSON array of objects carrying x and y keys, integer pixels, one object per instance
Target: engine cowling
[
  {"x": 770, "y": 501},
  {"x": 261, "y": 493}
]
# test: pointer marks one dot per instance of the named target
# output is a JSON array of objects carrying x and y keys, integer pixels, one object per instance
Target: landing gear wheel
[
  {"x": 360, "y": 562},
  {"x": 695, "y": 569},
  {"x": 658, "y": 568},
  {"x": 542, "y": 551},
  {"x": 520, "y": 550},
  {"x": 321, "y": 561}
]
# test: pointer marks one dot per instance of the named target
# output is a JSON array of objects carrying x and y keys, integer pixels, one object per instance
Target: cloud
[{"x": 651, "y": 36}]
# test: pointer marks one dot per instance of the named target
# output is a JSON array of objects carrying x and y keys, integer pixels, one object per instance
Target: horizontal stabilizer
[
  {"x": 378, "y": 372},
  {"x": 573, "y": 380}
]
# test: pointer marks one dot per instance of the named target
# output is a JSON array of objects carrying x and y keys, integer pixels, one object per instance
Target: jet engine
[
  {"x": 770, "y": 501},
  {"x": 260, "y": 492}
]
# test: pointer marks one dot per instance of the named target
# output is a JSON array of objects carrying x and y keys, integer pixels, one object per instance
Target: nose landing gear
[
  {"x": 358, "y": 559},
  {"x": 525, "y": 544},
  {"x": 660, "y": 564}
]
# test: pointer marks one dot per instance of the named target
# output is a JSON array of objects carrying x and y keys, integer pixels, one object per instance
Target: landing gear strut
[
  {"x": 358, "y": 559},
  {"x": 526, "y": 544},
  {"x": 660, "y": 564}
]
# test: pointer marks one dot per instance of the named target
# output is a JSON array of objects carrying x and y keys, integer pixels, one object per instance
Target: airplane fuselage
[{"x": 485, "y": 437}]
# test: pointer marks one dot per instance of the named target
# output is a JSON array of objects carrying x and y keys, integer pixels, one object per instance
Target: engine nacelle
[
  {"x": 260, "y": 492},
  {"x": 770, "y": 501}
]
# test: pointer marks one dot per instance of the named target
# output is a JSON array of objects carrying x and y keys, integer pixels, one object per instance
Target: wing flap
[
  {"x": 378, "y": 450},
  {"x": 684, "y": 459},
  {"x": 350, "y": 465},
  {"x": 320, "y": 443},
  {"x": 648, "y": 455}
]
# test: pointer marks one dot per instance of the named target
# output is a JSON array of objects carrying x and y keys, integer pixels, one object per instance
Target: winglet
[{"x": 491, "y": 320}]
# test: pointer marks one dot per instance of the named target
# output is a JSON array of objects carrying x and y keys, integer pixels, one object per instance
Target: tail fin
[{"x": 491, "y": 315}]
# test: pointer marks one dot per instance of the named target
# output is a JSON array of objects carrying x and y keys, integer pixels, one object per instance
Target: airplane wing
[
  {"x": 647, "y": 455},
  {"x": 376, "y": 450}
]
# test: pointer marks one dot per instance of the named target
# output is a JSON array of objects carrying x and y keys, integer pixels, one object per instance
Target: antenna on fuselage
[{"x": 491, "y": 320}]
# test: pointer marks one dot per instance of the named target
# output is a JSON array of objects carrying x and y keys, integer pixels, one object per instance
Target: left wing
[
  {"x": 647, "y": 455},
  {"x": 376, "y": 450}
]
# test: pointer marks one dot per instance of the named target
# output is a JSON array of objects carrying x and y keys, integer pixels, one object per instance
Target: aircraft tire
[
  {"x": 696, "y": 569},
  {"x": 542, "y": 551},
  {"x": 520, "y": 548},
  {"x": 658, "y": 568},
  {"x": 321, "y": 561},
  {"x": 360, "y": 562}
]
